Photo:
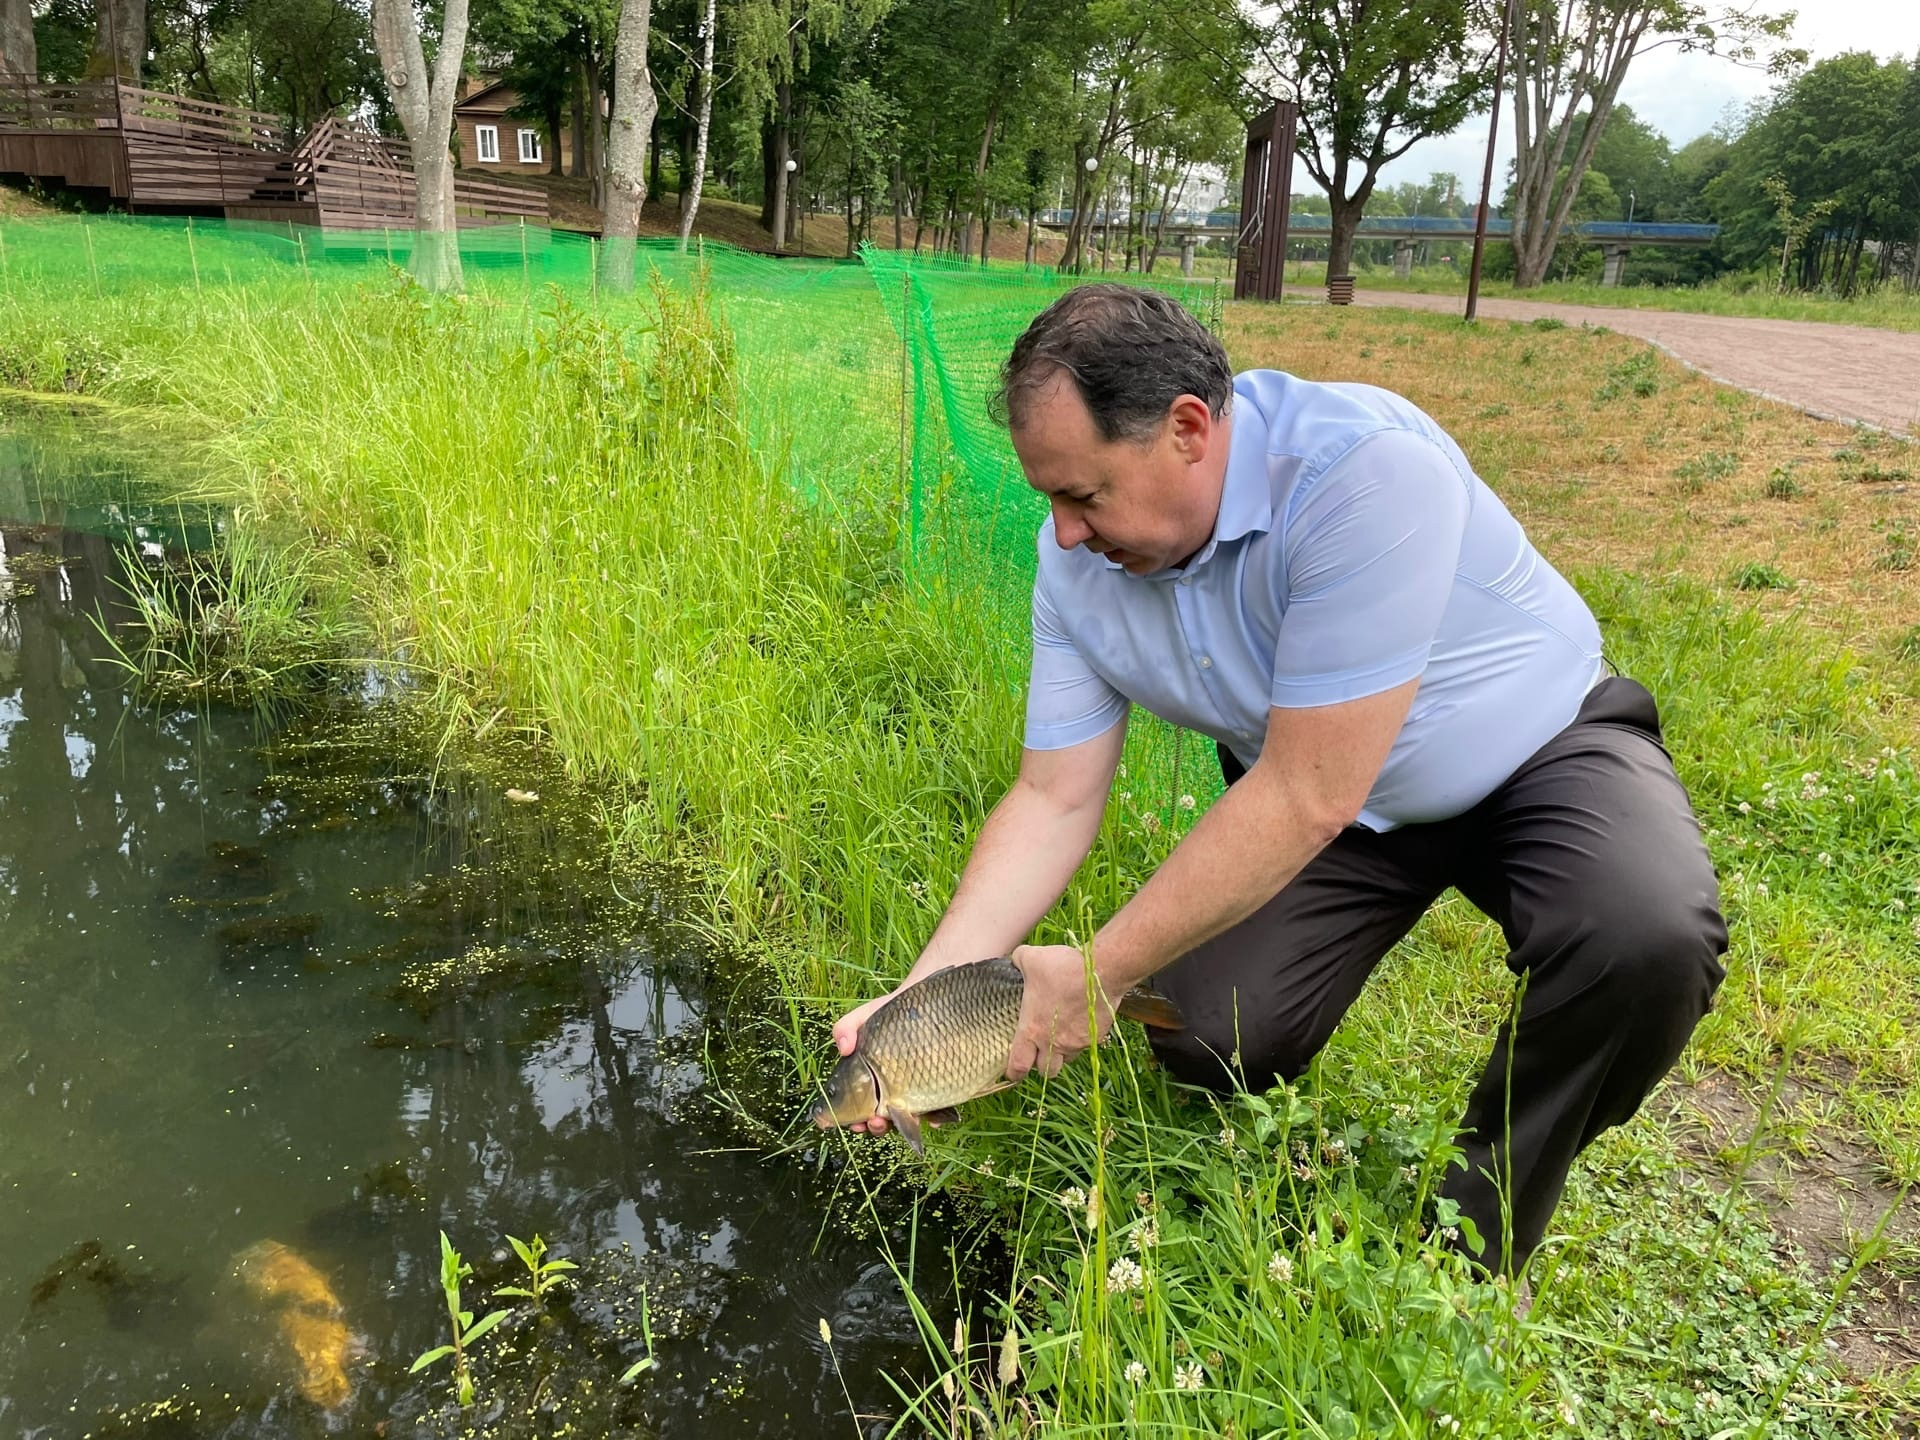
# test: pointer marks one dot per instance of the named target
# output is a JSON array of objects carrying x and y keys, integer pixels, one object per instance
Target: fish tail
[{"x": 1150, "y": 1008}]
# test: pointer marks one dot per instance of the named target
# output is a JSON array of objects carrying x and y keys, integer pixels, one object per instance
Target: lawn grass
[{"x": 697, "y": 588}]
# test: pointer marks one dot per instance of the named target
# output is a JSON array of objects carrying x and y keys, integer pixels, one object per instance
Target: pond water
[{"x": 279, "y": 1006}]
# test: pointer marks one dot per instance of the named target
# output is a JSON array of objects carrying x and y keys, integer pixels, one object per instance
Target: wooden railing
[
  {"x": 158, "y": 113},
  {"x": 43, "y": 105}
]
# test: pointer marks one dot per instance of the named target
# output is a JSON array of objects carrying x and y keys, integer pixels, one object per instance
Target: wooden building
[
  {"x": 488, "y": 138},
  {"x": 162, "y": 154}
]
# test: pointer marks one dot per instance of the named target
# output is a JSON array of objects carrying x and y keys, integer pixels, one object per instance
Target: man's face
[{"x": 1144, "y": 505}]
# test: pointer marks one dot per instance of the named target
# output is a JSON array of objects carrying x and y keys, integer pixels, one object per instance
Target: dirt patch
[{"x": 1826, "y": 1195}]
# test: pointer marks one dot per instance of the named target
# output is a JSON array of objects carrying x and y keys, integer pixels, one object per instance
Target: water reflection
[{"x": 282, "y": 991}]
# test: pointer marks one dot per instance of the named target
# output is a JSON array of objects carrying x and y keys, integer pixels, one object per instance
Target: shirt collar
[{"x": 1246, "y": 491}]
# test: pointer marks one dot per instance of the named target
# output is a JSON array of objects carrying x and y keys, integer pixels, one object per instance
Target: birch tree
[
  {"x": 1573, "y": 55},
  {"x": 424, "y": 103},
  {"x": 690, "y": 207},
  {"x": 624, "y": 190}
]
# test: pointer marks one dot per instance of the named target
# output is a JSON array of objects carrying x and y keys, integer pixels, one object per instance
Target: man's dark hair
[{"x": 1131, "y": 352}]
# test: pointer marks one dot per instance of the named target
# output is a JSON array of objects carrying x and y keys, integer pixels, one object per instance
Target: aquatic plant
[
  {"x": 542, "y": 1274},
  {"x": 465, "y": 1329}
]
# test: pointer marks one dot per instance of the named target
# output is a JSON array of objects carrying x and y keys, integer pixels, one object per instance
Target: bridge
[{"x": 1614, "y": 237}]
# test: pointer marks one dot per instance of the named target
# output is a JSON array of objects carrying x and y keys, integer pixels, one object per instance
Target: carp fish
[
  {"x": 310, "y": 1316},
  {"x": 943, "y": 1041}
]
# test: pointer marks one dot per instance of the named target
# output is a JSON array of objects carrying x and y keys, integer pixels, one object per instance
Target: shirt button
[{"x": 1206, "y": 662}]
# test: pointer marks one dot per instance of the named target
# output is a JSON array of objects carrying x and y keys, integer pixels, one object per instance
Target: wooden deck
[{"x": 157, "y": 153}]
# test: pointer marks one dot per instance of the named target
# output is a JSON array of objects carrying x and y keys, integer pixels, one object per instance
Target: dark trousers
[{"x": 1591, "y": 861}]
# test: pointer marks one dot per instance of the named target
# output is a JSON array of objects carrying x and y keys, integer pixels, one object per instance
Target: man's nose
[{"x": 1069, "y": 530}]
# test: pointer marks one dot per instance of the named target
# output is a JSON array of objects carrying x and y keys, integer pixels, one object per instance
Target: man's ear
[{"x": 1191, "y": 426}]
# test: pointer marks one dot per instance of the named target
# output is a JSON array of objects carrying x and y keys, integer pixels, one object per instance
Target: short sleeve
[
  {"x": 1372, "y": 547},
  {"x": 1067, "y": 700}
]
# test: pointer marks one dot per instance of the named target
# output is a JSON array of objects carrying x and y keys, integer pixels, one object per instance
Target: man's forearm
[
  {"x": 1242, "y": 853},
  {"x": 1026, "y": 853}
]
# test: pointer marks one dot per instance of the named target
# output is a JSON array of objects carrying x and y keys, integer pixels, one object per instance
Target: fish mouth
[{"x": 826, "y": 1114}]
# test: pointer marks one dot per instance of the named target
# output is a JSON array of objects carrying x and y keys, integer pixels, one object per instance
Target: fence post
[
  {"x": 593, "y": 271},
  {"x": 906, "y": 319},
  {"x": 193, "y": 256},
  {"x": 86, "y": 228}
]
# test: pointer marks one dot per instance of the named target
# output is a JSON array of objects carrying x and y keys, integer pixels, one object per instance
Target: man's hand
[{"x": 1054, "y": 1015}]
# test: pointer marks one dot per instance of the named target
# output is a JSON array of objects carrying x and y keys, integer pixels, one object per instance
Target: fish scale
[{"x": 945, "y": 1040}]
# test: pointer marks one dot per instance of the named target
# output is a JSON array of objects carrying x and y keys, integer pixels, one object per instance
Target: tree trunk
[
  {"x": 556, "y": 119},
  {"x": 579, "y": 123},
  {"x": 777, "y": 156},
  {"x": 1599, "y": 64},
  {"x": 424, "y": 103},
  {"x": 119, "y": 40},
  {"x": 634, "y": 108},
  {"x": 690, "y": 205},
  {"x": 978, "y": 200},
  {"x": 653, "y": 153},
  {"x": 896, "y": 204},
  {"x": 1345, "y": 220},
  {"x": 596, "y": 135},
  {"x": 18, "y": 55}
]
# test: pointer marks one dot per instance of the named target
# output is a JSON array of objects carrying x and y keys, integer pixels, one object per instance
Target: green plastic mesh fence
[{"x": 863, "y": 377}]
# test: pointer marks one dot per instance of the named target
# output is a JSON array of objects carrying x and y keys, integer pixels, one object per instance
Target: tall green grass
[{"x": 576, "y": 518}]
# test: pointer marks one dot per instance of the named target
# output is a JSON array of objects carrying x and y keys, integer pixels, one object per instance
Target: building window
[
  {"x": 486, "y": 144},
  {"x": 529, "y": 147}
]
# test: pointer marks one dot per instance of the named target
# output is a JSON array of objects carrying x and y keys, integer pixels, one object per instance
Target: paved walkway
[{"x": 1838, "y": 372}]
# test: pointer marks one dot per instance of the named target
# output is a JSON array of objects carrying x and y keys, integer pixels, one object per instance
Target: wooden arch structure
[{"x": 1266, "y": 188}]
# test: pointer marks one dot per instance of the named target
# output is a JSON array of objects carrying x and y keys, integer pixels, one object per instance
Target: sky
[{"x": 1683, "y": 96}]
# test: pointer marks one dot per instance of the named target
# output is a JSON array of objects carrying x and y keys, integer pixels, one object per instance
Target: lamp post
[
  {"x": 1631, "y": 197},
  {"x": 1486, "y": 178}
]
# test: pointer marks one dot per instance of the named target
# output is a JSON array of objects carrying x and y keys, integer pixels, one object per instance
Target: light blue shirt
[{"x": 1355, "y": 550}]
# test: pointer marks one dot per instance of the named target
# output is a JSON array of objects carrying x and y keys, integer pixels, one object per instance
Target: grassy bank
[{"x": 573, "y": 514}]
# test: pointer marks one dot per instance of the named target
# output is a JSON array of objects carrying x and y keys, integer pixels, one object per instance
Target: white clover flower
[
  {"x": 1125, "y": 1275},
  {"x": 1761, "y": 888},
  {"x": 1302, "y": 1170},
  {"x": 1826, "y": 859},
  {"x": 1186, "y": 802},
  {"x": 1073, "y": 1197},
  {"x": 1150, "y": 822},
  {"x": 1190, "y": 1376},
  {"x": 1136, "y": 1373},
  {"x": 1449, "y": 1423},
  {"x": 1744, "y": 808},
  {"x": 1147, "y": 1235},
  {"x": 1280, "y": 1269},
  {"x": 1570, "y": 1411}
]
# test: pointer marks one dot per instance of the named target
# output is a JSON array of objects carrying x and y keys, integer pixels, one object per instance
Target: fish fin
[
  {"x": 1150, "y": 1008},
  {"x": 946, "y": 1116},
  {"x": 908, "y": 1125}
]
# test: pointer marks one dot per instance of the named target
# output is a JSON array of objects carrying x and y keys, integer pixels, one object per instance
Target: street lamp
[
  {"x": 792, "y": 165},
  {"x": 1631, "y": 197}
]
